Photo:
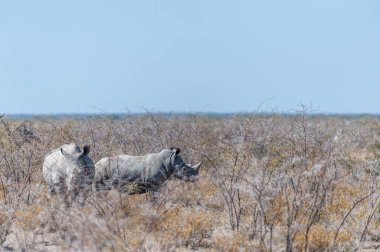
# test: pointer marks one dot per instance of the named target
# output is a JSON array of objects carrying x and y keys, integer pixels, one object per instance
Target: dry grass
[{"x": 269, "y": 183}]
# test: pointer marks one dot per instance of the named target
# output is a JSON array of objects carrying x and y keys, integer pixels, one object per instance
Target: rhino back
[{"x": 130, "y": 168}]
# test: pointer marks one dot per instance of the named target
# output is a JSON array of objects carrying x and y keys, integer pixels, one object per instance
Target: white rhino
[
  {"x": 69, "y": 170},
  {"x": 137, "y": 174}
]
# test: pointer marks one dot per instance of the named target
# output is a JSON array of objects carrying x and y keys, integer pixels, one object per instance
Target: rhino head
[
  {"x": 184, "y": 171},
  {"x": 77, "y": 159}
]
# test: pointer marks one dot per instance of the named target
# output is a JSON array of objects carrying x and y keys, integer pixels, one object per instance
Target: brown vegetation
[{"x": 268, "y": 183}]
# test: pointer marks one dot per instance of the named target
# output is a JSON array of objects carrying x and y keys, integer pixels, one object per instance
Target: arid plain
[{"x": 269, "y": 182}]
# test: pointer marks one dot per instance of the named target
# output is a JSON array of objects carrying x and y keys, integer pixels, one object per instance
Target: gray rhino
[
  {"x": 137, "y": 174},
  {"x": 69, "y": 170}
]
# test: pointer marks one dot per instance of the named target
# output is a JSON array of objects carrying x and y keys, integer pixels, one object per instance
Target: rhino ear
[
  {"x": 176, "y": 150},
  {"x": 86, "y": 150},
  {"x": 64, "y": 152}
]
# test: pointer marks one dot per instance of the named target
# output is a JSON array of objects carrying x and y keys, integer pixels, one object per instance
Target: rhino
[
  {"x": 139, "y": 174},
  {"x": 69, "y": 170}
]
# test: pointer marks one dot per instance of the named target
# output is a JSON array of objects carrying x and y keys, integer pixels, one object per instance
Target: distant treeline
[{"x": 182, "y": 115}]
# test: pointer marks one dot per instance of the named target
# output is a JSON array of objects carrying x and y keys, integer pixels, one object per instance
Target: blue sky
[{"x": 78, "y": 56}]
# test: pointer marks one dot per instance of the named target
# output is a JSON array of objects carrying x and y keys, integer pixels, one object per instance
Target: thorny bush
[{"x": 269, "y": 182}]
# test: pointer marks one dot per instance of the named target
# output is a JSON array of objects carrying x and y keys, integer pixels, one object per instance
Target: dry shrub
[
  {"x": 276, "y": 210},
  {"x": 5, "y": 224},
  {"x": 28, "y": 218},
  {"x": 341, "y": 200},
  {"x": 268, "y": 183},
  {"x": 201, "y": 193},
  {"x": 235, "y": 241},
  {"x": 184, "y": 227},
  {"x": 321, "y": 238},
  {"x": 3, "y": 217}
]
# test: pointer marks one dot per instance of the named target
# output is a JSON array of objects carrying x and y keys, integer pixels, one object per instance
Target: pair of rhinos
[{"x": 71, "y": 169}]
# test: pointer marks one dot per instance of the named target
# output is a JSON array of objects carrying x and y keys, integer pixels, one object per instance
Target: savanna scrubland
[{"x": 269, "y": 182}]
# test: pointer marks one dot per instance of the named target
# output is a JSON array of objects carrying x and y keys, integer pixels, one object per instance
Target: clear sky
[{"x": 78, "y": 56}]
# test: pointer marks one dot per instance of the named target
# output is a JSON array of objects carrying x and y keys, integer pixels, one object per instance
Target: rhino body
[
  {"x": 69, "y": 170},
  {"x": 137, "y": 174}
]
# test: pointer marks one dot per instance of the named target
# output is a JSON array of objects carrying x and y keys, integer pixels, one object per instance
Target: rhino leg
[
  {"x": 79, "y": 195},
  {"x": 58, "y": 186},
  {"x": 99, "y": 183}
]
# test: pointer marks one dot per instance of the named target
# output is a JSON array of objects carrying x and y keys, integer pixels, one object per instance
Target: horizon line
[{"x": 217, "y": 114}]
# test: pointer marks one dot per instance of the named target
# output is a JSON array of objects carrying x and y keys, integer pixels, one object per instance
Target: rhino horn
[{"x": 196, "y": 167}]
